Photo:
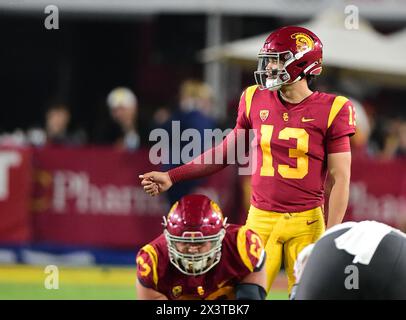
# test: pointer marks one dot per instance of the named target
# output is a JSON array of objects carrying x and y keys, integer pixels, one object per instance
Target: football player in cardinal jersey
[
  {"x": 199, "y": 256},
  {"x": 301, "y": 136}
]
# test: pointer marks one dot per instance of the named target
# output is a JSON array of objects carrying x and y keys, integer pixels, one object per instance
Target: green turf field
[{"x": 24, "y": 282}]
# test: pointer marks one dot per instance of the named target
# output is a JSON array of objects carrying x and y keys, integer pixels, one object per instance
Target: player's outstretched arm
[
  {"x": 144, "y": 293},
  {"x": 204, "y": 165}
]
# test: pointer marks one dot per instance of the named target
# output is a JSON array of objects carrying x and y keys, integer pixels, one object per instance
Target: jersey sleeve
[
  {"x": 250, "y": 249},
  {"x": 341, "y": 120},
  {"x": 341, "y": 144},
  {"x": 244, "y": 106},
  {"x": 147, "y": 267}
]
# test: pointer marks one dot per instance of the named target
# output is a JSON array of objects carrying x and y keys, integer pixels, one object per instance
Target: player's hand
[{"x": 155, "y": 182}]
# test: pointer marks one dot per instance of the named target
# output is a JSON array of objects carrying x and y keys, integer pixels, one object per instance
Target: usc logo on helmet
[
  {"x": 173, "y": 208},
  {"x": 303, "y": 41},
  {"x": 216, "y": 208}
]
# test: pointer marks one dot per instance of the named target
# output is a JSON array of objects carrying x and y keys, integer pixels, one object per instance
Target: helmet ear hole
[
  {"x": 302, "y": 64},
  {"x": 310, "y": 79}
]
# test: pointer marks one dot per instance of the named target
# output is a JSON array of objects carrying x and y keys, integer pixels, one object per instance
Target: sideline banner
[
  {"x": 15, "y": 191},
  {"x": 93, "y": 196},
  {"x": 378, "y": 192}
]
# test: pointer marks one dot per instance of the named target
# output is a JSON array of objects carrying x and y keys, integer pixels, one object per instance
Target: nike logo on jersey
[
  {"x": 311, "y": 222},
  {"x": 307, "y": 119}
]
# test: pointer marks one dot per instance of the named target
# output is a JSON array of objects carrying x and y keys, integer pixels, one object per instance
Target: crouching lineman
[
  {"x": 353, "y": 261},
  {"x": 199, "y": 256}
]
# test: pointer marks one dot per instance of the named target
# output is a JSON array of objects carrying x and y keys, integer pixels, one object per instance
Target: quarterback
[
  {"x": 301, "y": 137},
  {"x": 199, "y": 256}
]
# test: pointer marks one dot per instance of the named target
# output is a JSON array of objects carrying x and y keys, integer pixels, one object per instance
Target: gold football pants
[{"x": 284, "y": 235}]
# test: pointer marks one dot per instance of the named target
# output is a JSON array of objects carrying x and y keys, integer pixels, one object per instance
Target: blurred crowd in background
[
  {"x": 381, "y": 128},
  {"x": 110, "y": 80}
]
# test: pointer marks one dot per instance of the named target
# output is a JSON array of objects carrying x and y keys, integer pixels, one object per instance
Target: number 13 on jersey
[{"x": 302, "y": 147}]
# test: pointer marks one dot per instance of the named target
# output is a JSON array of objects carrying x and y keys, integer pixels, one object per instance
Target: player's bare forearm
[
  {"x": 257, "y": 277},
  {"x": 144, "y": 293},
  {"x": 339, "y": 167},
  {"x": 338, "y": 202}
]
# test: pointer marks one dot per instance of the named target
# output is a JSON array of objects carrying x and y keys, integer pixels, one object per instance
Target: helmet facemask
[
  {"x": 194, "y": 263},
  {"x": 271, "y": 73}
]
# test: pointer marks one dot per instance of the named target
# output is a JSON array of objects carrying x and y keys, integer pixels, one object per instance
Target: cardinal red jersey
[
  {"x": 241, "y": 253},
  {"x": 292, "y": 146}
]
